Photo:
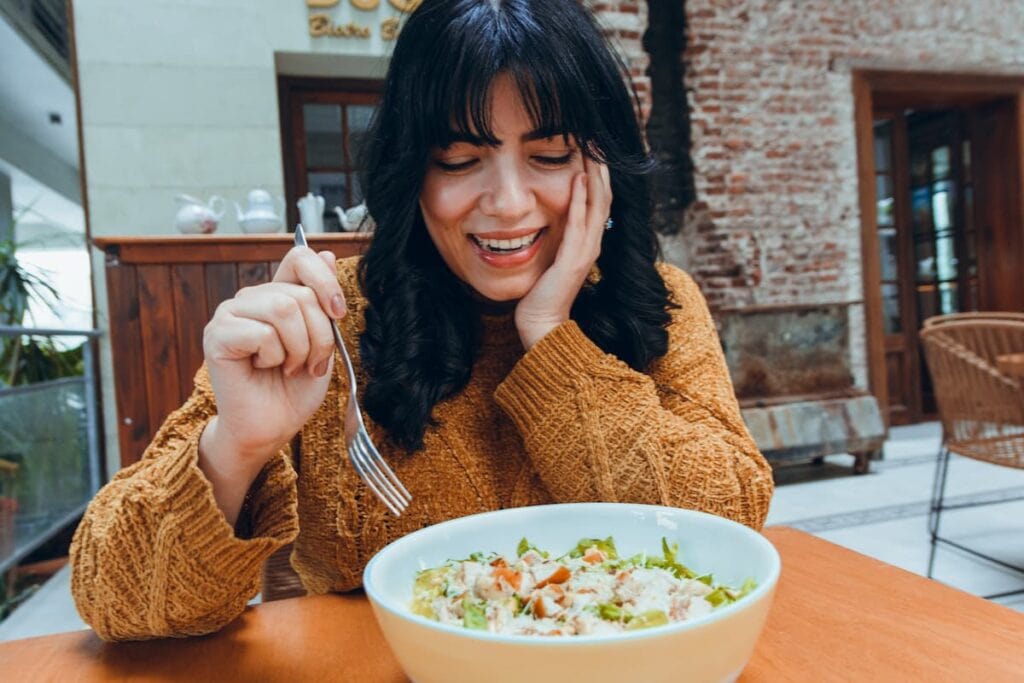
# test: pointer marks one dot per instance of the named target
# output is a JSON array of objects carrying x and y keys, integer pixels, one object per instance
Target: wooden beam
[{"x": 871, "y": 275}]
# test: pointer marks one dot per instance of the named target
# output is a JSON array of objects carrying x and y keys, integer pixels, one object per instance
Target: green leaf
[
  {"x": 720, "y": 596},
  {"x": 607, "y": 546},
  {"x": 669, "y": 562},
  {"x": 473, "y": 616},
  {"x": 610, "y": 612},
  {"x": 525, "y": 546},
  {"x": 647, "y": 620}
]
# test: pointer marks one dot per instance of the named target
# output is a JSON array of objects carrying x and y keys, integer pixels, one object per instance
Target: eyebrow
[{"x": 478, "y": 141}]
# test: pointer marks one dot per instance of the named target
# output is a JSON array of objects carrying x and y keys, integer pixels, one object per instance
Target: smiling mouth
[{"x": 511, "y": 246}]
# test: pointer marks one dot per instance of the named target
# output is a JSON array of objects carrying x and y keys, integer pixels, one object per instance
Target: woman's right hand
[{"x": 270, "y": 351}]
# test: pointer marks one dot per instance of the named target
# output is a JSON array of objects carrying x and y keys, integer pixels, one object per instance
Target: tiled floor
[{"x": 882, "y": 514}]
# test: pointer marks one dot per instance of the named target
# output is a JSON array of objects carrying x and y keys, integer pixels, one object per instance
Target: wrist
[
  {"x": 219, "y": 447},
  {"x": 534, "y": 332}
]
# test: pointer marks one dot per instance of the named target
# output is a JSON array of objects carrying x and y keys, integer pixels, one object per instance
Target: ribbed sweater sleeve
[
  {"x": 154, "y": 555},
  {"x": 597, "y": 430}
]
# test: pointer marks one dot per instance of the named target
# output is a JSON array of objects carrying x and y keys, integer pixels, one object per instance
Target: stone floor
[{"x": 882, "y": 514}]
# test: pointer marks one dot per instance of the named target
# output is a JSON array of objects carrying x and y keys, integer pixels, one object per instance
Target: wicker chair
[
  {"x": 982, "y": 409},
  {"x": 973, "y": 316}
]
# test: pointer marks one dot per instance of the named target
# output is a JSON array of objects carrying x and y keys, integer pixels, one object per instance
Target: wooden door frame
[
  {"x": 921, "y": 89},
  {"x": 293, "y": 147}
]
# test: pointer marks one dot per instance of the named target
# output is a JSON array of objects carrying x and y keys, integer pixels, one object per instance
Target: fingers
[
  {"x": 303, "y": 266},
  {"x": 599, "y": 193},
  {"x": 589, "y": 208},
  {"x": 293, "y": 332},
  {"x": 245, "y": 338}
]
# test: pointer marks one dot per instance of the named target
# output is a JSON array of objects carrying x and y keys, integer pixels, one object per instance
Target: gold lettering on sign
[
  {"x": 321, "y": 25},
  {"x": 389, "y": 28},
  {"x": 406, "y": 6},
  {"x": 366, "y": 4},
  {"x": 321, "y": 4}
]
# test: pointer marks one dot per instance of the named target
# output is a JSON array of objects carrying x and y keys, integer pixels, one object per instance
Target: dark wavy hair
[{"x": 422, "y": 326}]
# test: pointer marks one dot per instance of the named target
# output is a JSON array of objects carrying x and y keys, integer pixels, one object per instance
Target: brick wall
[
  {"x": 768, "y": 83},
  {"x": 774, "y": 150},
  {"x": 625, "y": 21}
]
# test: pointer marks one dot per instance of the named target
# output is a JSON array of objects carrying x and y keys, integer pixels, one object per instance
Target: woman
[{"x": 518, "y": 344}]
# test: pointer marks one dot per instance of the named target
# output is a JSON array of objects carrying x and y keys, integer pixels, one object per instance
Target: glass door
[
  {"x": 324, "y": 124},
  {"x": 945, "y": 272}
]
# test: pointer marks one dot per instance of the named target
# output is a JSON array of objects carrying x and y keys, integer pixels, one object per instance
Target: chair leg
[{"x": 938, "y": 494}]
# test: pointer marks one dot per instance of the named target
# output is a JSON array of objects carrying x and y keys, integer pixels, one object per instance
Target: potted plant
[{"x": 24, "y": 360}]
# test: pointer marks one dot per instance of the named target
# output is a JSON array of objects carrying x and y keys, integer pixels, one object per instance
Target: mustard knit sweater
[{"x": 565, "y": 422}]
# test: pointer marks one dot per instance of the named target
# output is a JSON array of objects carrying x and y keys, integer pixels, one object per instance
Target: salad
[{"x": 589, "y": 590}]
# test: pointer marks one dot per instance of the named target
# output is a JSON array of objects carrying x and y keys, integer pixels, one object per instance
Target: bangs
[{"x": 458, "y": 84}]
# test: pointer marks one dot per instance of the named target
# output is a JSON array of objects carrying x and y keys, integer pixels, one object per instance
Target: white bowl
[{"x": 714, "y": 647}]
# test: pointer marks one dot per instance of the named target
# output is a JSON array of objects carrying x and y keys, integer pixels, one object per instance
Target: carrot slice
[
  {"x": 512, "y": 577},
  {"x": 560, "y": 575}
]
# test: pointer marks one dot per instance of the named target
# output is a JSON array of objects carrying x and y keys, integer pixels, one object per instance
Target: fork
[{"x": 364, "y": 456}]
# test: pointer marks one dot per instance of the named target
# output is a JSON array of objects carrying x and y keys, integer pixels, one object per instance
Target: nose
[{"x": 507, "y": 193}]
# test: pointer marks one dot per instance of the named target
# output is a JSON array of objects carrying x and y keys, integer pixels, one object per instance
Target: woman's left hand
[{"x": 548, "y": 303}]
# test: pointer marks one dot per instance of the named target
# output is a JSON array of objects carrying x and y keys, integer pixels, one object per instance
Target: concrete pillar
[{"x": 6, "y": 208}]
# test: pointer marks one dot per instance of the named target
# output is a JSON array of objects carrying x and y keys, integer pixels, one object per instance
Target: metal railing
[{"x": 49, "y": 451}]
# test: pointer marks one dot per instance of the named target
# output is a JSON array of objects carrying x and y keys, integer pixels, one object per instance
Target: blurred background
[{"x": 832, "y": 173}]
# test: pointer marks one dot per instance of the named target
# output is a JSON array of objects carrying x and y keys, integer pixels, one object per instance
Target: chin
[{"x": 503, "y": 292}]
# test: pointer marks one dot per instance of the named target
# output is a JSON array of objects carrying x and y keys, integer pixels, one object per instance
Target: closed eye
[
  {"x": 556, "y": 161},
  {"x": 453, "y": 167}
]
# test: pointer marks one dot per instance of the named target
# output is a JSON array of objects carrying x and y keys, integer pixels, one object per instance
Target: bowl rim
[{"x": 765, "y": 588}]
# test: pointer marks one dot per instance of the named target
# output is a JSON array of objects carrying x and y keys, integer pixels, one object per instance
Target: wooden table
[
  {"x": 837, "y": 616},
  {"x": 1012, "y": 364}
]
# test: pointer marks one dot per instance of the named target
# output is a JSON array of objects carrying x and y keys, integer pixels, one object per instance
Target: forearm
[
  {"x": 597, "y": 430},
  {"x": 155, "y": 556},
  {"x": 229, "y": 472}
]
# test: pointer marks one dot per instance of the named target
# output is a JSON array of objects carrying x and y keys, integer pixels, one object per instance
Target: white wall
[{"x": 181, "y": 96}]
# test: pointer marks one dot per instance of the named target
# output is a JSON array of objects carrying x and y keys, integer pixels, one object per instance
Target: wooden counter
[{"x": 161, "y": 292}]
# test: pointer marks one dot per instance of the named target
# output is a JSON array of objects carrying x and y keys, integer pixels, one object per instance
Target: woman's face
[{"x": 497, "y": 214}]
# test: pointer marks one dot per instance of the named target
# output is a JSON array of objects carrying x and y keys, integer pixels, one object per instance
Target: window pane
[
  {"x": 359, "y": 116},
  {"x": 892, "y": 322},
  {"x": 945, "y": 258},
  {"x": 966, "y": 153},
  {"x": 924, "y": 256},
  {"x": 921, "y": 210},
  {"x": 883, "y": 145},
  {"x": 883, "y": 195},
  {"x": 332, "y": 187},
  {"x": 942, "y": 205},
  {"x": 919, "y": 169},
  {"x": 357, "y": 189},
  {"x": 887, "y": 248},
  {"x": 968, "y": 208},
  {"x": 323, "y": 135},
  {"x": 940, "y": 162},
  {"x": 948, "y": 298}
]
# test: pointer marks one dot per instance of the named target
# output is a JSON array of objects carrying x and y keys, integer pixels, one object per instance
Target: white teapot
[
  {"x": 261, "y": 215},
  {"x": 196, "y": 218},
  {"x": 356, "y": 219},
  {"x": 311, "y": 212}
]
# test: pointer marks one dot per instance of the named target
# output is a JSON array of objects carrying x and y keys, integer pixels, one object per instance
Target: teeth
[{"x": 507, "y": 245}]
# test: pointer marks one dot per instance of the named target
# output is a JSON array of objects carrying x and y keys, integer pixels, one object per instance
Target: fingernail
[
  {"x": 321, "y": 368},
  {"x": 338, "y": 305}
]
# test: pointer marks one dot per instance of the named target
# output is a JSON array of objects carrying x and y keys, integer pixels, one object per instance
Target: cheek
[
  {"x": 555, "y": 194},
  {"x": 446, "y": 200}
]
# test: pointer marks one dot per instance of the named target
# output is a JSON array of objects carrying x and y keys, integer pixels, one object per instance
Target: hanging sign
[{"x": 324, "y": 24}]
